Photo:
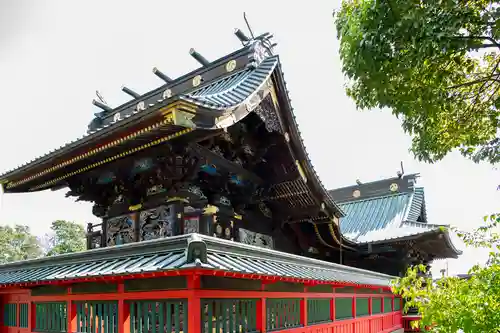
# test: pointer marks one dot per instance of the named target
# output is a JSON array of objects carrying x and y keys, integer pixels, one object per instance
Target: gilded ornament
[
  {"x": 197, "y": 80},
  {"x": 231, "y": 66}
]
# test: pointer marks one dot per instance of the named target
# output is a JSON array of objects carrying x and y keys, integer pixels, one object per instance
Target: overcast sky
[{"x": 55, "y": 54}]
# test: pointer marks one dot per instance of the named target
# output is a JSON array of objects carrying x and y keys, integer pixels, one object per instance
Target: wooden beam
[{"x": 225, "y": 164}]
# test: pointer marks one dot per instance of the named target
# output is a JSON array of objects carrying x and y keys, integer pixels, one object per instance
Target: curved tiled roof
[
  {"x": 178, "y": 253},
  {"x": 386, "y": 217},
  {"x": 223, "y": 89},
  {"x": 233, "y": 90}
]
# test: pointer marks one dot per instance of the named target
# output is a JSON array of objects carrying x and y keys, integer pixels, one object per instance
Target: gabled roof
[
  {"x": 176, "y": 254},
  {"x": 385, "y": 211},
  {"x": 213, "y": 97},
  {"x": 386, "y": 217}
]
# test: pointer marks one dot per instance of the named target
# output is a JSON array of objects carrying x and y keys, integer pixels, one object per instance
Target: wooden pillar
[
  {"x": 32, "y": 316},
  {"x": 194, "y": 305},
  {"x": 353, "y": 309},
  {"x": 261, "y": 311},
  {"x": 123, "y": 311},
  {"x": 370, "y": 311},
  {"x": 71, "y": 314},
  {"x": 303, "y": 308},
  {"x": 332, "y": 308}
]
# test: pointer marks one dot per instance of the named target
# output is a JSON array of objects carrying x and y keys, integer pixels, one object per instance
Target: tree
[
  {"x": 450, "y": 304},
  {"x": 17, "y": 243},
  {"x": 66, "y": 237},
  {"x": 435, "y": 64}
]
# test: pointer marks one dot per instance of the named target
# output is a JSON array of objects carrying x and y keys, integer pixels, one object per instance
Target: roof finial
[
  {"x": 101, "y": 105},
  {"x": 248, "y": 25},
  {"x": 241, "y": 35},
  {"x": 130, "y": 92},
  {"x": 99, "y": 96},
  {"x": 401, "y": 172},
  {"x": 198, "y": 57},
  {"x": 161, "y": 75},
  {"x": 358, "y": 182}
]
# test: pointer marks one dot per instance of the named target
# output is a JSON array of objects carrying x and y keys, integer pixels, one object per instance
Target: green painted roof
[
  {"x": 391, "y": 216},
  {"x": 178, "y": 253}
]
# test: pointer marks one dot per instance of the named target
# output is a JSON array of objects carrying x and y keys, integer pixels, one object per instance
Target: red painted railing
[
  {"x": 407, "y": 323},
  {"x": 383, "y": 323},
  {"x": 277, "y": 311}
]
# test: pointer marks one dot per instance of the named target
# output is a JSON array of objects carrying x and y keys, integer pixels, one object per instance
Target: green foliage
[
  {"x": 67, "y": 237},
  {"x": 17, "y": 243},
  {"x": 435, "y": 64},
  {"x": 451, "y": 303}
]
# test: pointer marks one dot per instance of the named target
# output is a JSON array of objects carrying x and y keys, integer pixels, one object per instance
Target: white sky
[{"x": 55, "y": 54}]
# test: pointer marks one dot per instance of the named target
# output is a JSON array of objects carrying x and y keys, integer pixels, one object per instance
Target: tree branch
[
  {"x": 471, "y": 83},
  {"x": 488, "y": 38}
]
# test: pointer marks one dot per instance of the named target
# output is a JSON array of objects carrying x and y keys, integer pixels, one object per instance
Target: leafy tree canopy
[
  {"x": 17, "y": 243},
  {"x": 435, "y": 64},
  {"x": 66, "y": 237},
  {"x": 450, "y": 304}
]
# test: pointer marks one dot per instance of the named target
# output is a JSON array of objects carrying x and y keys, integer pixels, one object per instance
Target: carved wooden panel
[
  {"x": 120, "y": 230},
  {"x": 191, "y": 224},
  {"x": 255, "y": 238},
  {"x": 156, "y": 223}
]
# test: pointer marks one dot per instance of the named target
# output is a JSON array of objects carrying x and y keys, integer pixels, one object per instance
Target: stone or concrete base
[{"x": 401, "y": 330}]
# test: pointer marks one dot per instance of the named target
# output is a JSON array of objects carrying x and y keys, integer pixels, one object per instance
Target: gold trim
[
  {"x": 274, "y": 96},
  {"x": 301, "y": 171},
  {"x": 113, "y": 158},
  {"x": 321, "y": 240},
  {"x": 177, "y": 106},
  {"x": 210, "y": 210},
  {"x": 172, "y": 199},
  {"x": 135, "y": 207},
  {"x": 332, "y": 233}
]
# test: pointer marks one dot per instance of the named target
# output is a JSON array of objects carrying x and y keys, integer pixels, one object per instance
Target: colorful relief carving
[
  {"x": 120, "y": 230},
  {"x": 156, "y": 223}
]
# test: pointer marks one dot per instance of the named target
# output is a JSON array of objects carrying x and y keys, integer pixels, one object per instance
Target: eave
[
  {"x": 135, "y": 112},
  {"x": 182, "y": 255}
]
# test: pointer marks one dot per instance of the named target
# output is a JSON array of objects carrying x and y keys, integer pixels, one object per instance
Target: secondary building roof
[
  {"x": 388, "y": 210},
  {"x": 180, "y": 253}
]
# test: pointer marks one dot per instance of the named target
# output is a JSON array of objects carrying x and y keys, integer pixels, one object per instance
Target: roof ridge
[{"x": 372, "y": 198}]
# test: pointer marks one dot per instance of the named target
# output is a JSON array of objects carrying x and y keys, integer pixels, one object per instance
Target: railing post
[
  {"x": 123, "y": 311},
  {"x": 354, "y": 311},
  {"x": 261, "y": 310},
  {"x": 370, "y": 312},
  {"x": 32, "y": 316},
  {"x": 303, "y": 309},
  {"x": 332, "y": 308},
  {"x": 194, "y": 305},
  {"x": 71, "y": 313},
  {"x": 261, "y": 315}
]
